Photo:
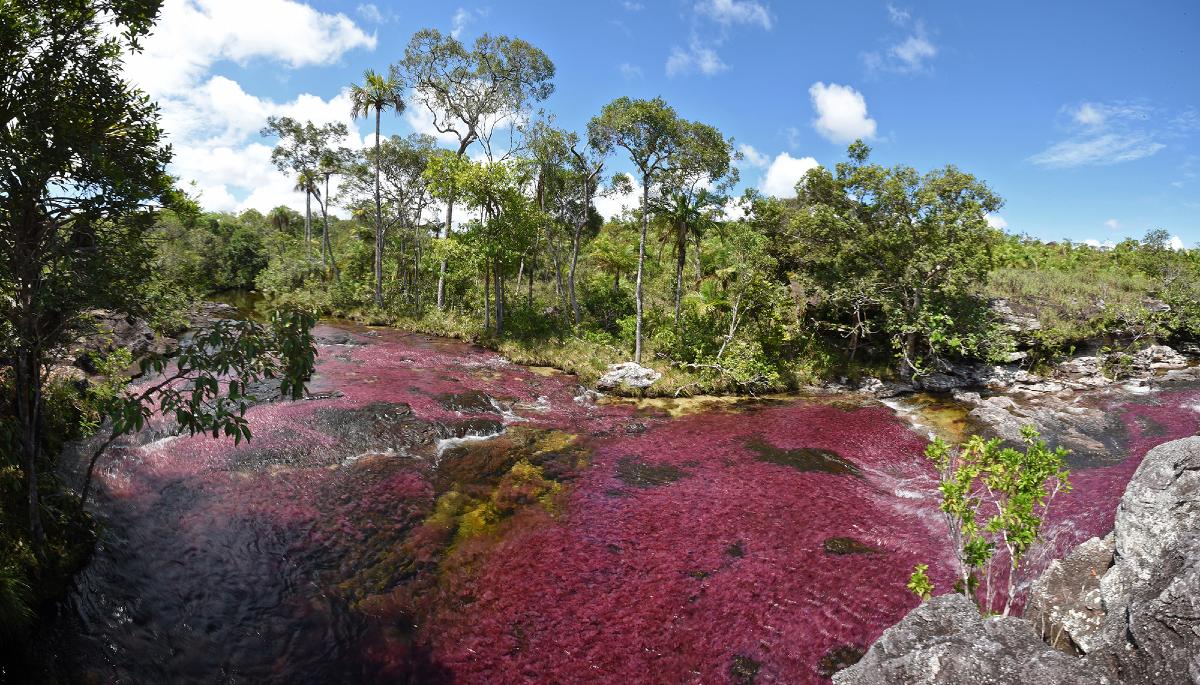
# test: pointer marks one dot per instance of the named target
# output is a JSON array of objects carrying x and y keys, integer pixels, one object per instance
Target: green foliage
[
  {"x": 995, "y": 497},
  {"x": 919, "y": 583}
]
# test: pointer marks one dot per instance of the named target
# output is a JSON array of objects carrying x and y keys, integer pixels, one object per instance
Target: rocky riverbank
[{"x": 1123, "y": 609}]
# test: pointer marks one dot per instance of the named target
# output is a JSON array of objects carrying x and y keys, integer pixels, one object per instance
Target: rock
[
  {"x": 1151, "y": 595},
  {"x": 945, "y": 640},
  {"x": 629, "y": 375},
  {"x": 1017, "y": 324},
  {"x": 1158, "y": 357},
  {"x": 204, "y": 314},
  {"x": 883, "y": 389},
  {"x": 1064, "y": 602},
  {"x": 112, "y": 331}
]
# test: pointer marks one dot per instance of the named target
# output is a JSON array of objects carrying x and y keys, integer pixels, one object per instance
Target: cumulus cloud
[
  {"x": 612, "y": 205},
  {"x": 752, "y": 156},
  {"x": 696, "y": 58},
  {"x": 841, "y": 113},
  {"x": 211, "y": 121},
  {"x": 785, "y": 170},
  {"x": 727, "y": 12},
  {"x": 192, "y": 35},
  {"x": 1175, "y": 243},
  {"x": 1105, "y": 245},
  {"x": 996, "y": 221},
  {"x": 1104, "y": 133},
  {"x": 1112, "y": 225}
]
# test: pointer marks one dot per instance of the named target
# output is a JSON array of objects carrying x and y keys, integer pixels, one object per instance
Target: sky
[{"x": 1084, "y": 116}]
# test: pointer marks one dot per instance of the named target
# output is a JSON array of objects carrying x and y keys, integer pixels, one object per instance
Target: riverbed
[{"x": 434, "y": 513}]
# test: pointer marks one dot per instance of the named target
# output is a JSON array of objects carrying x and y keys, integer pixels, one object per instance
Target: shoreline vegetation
[{"x": 866, "y": 271}]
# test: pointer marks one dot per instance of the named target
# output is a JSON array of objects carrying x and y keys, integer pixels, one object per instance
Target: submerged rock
[
  {"x": 628, "y": 375},
  {"x": 945, "y": 640}
]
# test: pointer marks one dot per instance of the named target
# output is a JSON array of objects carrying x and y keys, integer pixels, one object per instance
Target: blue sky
[{"x": 1084, "y": 116}]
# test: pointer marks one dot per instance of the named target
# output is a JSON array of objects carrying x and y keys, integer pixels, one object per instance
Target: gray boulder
[
  {"x": 1151, "y": 595},
  {"x": 946, "y": 640},
  {"x": 628, "y": 375},
  {"x": 1064, "y": 602}
]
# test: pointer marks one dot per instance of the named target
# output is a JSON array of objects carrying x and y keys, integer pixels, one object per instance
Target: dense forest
[{"x": 870, "y": 270}]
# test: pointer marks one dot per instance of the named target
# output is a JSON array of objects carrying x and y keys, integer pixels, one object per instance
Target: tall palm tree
[
  {"x": 378, "y": 93},
  {"x": 306, "y": 182}
]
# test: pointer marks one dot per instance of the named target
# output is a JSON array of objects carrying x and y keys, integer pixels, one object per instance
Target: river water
[{"x": 436, "y": 514}]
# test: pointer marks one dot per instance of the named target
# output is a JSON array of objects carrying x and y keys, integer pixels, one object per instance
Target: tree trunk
[
  {"x": 487, "y": 297},
  {"x": 575, "y": 253},
  {"x": 307, "y": 219},
  {"x": 680, "y": 257},
  {"x": 27, "y": 384},
  {"x": 637, "y": 290},
  {"x": 378, "y": 221},
  {"x": 326, "y": 241}
]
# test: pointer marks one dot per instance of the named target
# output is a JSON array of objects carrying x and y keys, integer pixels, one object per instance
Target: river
[{"x": 435, "y": 513}]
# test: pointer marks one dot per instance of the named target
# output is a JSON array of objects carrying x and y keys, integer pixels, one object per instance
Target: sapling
[{"x": 993, "y": 497}]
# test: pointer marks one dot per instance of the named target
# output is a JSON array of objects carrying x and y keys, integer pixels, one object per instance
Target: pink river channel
[{"x": 375, "y": 533}]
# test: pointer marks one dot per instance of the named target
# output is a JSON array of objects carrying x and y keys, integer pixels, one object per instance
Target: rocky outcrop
[
  {"x": 1130, "y": 603},
  {"x": 945, "y": 640},
  {"x": 1065, "y": 603},
  {"x": 1151, "y": 595},
  {"x": 629, "y": 375},
  {"x": 1090, "y": 433}
]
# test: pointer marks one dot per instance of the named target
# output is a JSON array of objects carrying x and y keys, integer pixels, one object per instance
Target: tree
[
  {"x": 84, "y": 164},
  {"x": 84, "y": 175},
  {"x": 993, "y": 497},
  {"x": 507, "y": 216},
  {"x": 300, "y": 151},
  {"x": 379, "y": 93},
  {"x": 694, "y": 190},
  {"x": 468, "y": 93},
  {"x": 404, "y": 192},
  {"x": 896, "y": 251},
  {"x": 652, "y": 133}
]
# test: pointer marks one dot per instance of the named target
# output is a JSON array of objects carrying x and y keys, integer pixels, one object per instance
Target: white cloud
[
  {"x": 1089, "y": 115},
  {"x": 996, "y": 221},
  {"x": 913, "y": 52},
  {"x": 841, "y": 113},
  {"x": 371, "y": 13},
  {"x": 633, "y": 6},
  {"x": 1112, "y": 225},
  {"x": 211, "y": 122},
  {"x": 898, "y": 15},
  {"x": 462, "y": 17},
  {"x": 781, "y": 177},
  {"x": 1175, "y": 243},
  {"x": 1104, "y": 133},
  {"x": 910, "y": 52},
  {"x": 612, "y": 205},
  {"x": 1109, "y": 148},
  {"x": 752, "y": 156},
  {"x": 1106, "y": 245},
  {"x": 192, "y": 35},
  {"x": 697, "y": 57},
  {"x": 630, "y": 71},
  {"x": 727, "y": 12}
]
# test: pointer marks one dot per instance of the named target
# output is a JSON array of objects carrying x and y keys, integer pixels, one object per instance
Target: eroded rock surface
[
  {"x": 945, "y": 640},
  {"x": 1129, "y": 602},
  {"x": 1065, "y": 603},
  {"x": 1151, "y": 595}
]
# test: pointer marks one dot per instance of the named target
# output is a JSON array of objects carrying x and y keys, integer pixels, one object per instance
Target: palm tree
[
  {"x": 330, "y": 165},
  {"x": 377, "y": 92},
  {"x": 306, "y": 182}
]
